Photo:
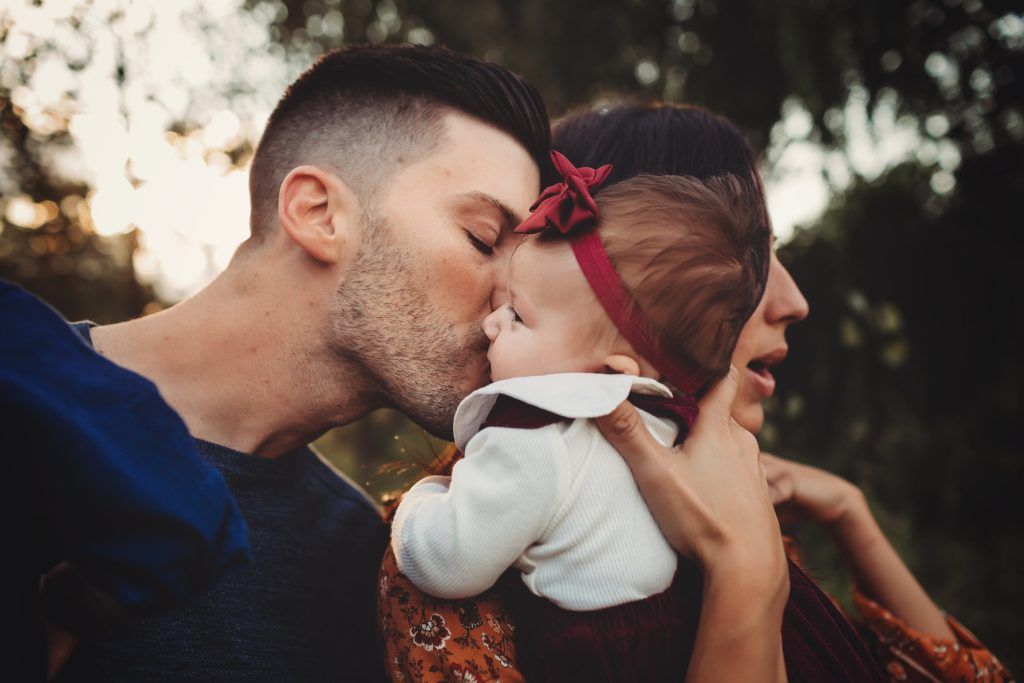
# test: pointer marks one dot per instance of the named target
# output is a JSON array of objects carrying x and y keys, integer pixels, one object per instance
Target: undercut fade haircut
[{"x": 362, "y": 111}]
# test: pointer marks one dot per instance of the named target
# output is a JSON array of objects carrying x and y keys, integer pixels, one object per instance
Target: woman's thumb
[
  {"x": 626, "y": 431},
  {"x": 716, "y": 405}
]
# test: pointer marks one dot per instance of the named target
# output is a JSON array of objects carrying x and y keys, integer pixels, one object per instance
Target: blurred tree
[
  {"x": 47, "y": 241},
  {"x": 953, "y": 60},
  {"x": 908, "y": 376},
  {"x": 908, "y": 379}
]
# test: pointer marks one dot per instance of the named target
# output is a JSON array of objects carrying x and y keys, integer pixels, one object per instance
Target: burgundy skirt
[{"x": 652, "y": 640}]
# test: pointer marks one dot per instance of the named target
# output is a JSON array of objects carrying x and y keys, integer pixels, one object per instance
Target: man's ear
[
  {"x": 622, "y": 364},
  {"x": 319, "y": 212}
]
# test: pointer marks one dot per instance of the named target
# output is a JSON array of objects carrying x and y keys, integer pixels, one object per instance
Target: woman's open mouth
[{"x": 759, "y": 372}]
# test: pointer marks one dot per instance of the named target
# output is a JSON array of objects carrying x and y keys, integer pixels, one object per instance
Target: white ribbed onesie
[{"x": 557, "y": 502}]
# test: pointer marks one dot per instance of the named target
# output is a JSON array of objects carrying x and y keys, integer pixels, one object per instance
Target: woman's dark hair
[
  {"x": 656, "y": 139},
  {"x": 665, "y": 139}
]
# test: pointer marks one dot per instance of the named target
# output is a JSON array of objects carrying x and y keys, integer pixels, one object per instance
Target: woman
[{"x": 427, "y": 639}]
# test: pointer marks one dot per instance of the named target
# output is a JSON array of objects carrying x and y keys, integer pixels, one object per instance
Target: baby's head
[{"x": 694, "y": 255}]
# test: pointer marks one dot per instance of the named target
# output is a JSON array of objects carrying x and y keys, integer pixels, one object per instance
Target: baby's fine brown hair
[{"x": 695, "y": 255}]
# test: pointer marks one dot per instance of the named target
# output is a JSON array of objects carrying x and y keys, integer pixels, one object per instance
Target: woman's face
[{"x": 762, "y": 344}]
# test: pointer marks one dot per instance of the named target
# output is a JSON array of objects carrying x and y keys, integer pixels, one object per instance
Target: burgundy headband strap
[{"x": 611, "y": 291}]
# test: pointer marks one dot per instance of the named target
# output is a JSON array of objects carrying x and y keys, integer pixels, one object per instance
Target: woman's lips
[
  {"x": 761, "y": 378},
  {"x": 759, "y": 371}
]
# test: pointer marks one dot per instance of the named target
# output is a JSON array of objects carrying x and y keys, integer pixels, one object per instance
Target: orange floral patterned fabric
[
  {"x": 908, "y": 655},
  {"x": 431, "y": 640}
]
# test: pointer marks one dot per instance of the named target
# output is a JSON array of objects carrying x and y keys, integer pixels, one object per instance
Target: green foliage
[{"x": 908, "y": 376}]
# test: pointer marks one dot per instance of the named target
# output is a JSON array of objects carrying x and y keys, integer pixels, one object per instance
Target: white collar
[{"x": 569, "y": 394}]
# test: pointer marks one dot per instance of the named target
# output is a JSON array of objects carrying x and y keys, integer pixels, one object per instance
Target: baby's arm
[{"x": 454, "y": 539}]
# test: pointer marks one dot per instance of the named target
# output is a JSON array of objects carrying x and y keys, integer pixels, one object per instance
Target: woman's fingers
[
  {"x": 716, "y": 405},
  {"x": 780, "y": 489},
  {"x": 781, "y": 483},
  {"x": 626, "y": 431},
  {"x": 710, "y": 496}
]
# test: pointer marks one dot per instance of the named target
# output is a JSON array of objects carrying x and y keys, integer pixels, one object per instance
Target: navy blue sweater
[
  {"x": 100, "y": 472},
  {"x": 304, "y": 608}
]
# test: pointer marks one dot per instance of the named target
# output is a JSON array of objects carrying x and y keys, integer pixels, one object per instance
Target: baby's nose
[
  {"x": 492, "y": 324},
  {"x": 499, "y": 298}
]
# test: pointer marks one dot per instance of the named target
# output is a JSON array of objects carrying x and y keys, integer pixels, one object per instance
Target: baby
[{"x": 640, "y": 294}]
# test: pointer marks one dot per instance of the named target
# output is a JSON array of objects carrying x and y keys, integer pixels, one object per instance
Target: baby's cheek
[{"x": 517, "y": 357}]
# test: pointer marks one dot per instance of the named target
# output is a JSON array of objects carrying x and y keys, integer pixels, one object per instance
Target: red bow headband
[{"x": 568, "y": 207}]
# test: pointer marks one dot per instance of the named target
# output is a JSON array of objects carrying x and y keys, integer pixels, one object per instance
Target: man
[{"x": 383, "y": 192}]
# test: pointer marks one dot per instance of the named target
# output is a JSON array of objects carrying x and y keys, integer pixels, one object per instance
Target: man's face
[{"x": 432, "y": 266}]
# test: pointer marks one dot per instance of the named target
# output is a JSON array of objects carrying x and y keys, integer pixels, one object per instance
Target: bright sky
[{"x": 209, "y": 62}]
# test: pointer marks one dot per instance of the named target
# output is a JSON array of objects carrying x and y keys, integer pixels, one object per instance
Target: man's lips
[{"x": 759, "y": 371}]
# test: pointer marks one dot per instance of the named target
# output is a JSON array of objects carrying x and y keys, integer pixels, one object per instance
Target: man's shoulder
[{"x": 337, "y": 484}]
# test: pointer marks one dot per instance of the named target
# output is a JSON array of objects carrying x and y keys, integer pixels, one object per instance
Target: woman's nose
[
  {"x": 784, "y": 302},
  {"x": 791, "y": 305}
]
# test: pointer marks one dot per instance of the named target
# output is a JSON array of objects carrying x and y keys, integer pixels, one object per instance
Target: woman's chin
[{"x": 748, "y": 413}]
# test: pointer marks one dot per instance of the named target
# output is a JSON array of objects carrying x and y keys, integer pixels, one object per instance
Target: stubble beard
[{"x": 384, "y": 325}]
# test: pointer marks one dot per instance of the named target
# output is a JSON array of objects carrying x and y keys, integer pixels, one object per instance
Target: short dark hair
[
  {"x": 365, "y": 109},
  {"x": 668, "y": 139}
]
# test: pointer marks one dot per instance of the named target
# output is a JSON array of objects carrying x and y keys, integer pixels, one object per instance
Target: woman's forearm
[
  {"x": 881, "y": 573},
  {"x": 740, "y": 628}
]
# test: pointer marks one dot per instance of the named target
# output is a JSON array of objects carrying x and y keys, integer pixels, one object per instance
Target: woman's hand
[
  {"x": 710, "y": 495},
  {"x": 711, "y": 500},
  {"x": 804, "y": 492}
]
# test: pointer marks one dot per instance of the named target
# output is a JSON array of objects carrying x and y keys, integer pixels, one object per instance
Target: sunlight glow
[
  {"x": 160, "y": 98},
  {"x": 162, "y": 102},
  {"x": 802, "y": 176}
]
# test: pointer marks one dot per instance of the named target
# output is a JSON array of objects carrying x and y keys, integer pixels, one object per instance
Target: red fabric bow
[{"x": 567, "y": 205}]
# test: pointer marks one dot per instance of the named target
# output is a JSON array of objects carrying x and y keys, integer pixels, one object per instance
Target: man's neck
[{"x": 243, "y": 370}]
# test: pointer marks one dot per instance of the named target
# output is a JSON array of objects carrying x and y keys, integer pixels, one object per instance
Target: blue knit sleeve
[{"x": 103, "y": 471}]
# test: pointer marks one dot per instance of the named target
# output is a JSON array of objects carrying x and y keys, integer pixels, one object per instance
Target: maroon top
[{"x": 652, "y": 639}]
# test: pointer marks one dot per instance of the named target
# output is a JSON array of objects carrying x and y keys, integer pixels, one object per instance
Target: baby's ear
[{"x": 621, "y": 364}]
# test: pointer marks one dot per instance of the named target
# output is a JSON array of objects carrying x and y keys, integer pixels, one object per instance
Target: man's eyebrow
[{"x": 509, "y": 218}]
